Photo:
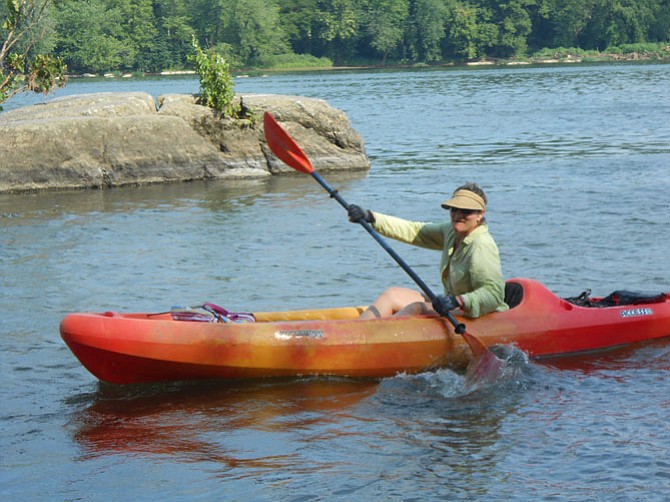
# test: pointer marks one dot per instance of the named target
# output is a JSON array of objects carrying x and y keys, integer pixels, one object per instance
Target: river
[{"x": 575, "y": 160}]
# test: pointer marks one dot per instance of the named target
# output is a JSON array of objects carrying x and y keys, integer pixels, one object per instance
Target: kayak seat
[{"x": 513, "y": 294}]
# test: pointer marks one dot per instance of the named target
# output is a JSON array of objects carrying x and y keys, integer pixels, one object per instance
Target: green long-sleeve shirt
[{"x": 473, "y": 271}]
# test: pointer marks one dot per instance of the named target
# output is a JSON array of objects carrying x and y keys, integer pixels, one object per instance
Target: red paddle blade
[
  {"x": 476, "y": 345},
  {"x": 485, "y": 366},
  {"x": 485, "y": 370},
  {"x": 283, "y": 146}
]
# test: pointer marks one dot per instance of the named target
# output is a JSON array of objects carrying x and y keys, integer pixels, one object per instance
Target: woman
[{"x": 470, "y": 268}]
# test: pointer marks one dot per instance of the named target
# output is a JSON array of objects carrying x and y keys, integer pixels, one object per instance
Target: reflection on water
[
  {"x": 225, "y": 424},
  {"x": 654, "y": 355},
  {"x": 310, "y": 426},
  {"x": 196, "y": 422}
]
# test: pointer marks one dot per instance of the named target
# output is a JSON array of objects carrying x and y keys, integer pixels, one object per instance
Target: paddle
[{"x": 283, "y": 146}]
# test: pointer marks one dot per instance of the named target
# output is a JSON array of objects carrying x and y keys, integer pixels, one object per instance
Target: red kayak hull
[{"x": 133, "y": 348}]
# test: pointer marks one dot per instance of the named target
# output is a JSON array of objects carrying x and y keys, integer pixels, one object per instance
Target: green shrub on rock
[{"x": 216, "y": 82}]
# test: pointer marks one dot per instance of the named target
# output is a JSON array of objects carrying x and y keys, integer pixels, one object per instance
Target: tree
[
  {"x": 206, "y": 18},
  {"x": 298, "y": 20},
  {"x": 242, "y": 30},
  {"x": 339, "y": 25},
  {"x": 470, "y": 30},
  {"x": 138, "y": 33},
  {"x": 659, "y": 29},
  {"x": 89, "y": 36},
  {"x": 384, "y": 22},
  {"x": 427, "y": 29},
  {"x": 21, "y": 69},
  {"x": 252, "y": 29},
  {"x": 616, "y": 22},
  {"x": 514, "y": 25},
  {"x": 174, "y": 31},
  {"x": 561, "y": 22},
  {"x": 597, "y": 24}
]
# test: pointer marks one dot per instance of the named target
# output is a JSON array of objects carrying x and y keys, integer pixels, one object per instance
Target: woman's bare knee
[
  {"x": 391, "y": 301},
  {"x": 400, "y": 297},
  {"x": 416, "y": 308}
]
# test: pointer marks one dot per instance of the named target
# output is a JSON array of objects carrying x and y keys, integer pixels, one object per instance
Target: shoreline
[{"x": 558, "y": 59}]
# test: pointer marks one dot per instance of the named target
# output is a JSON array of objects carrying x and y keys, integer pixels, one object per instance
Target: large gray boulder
[{"x": 113, "y": 139}]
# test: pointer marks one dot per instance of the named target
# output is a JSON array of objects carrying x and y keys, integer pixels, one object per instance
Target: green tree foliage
[
  {"x": 23, "y": 68},
  {"x": 598, "y": 24},
  {"x": 339, "y": 26},
  {"x": 242, "y": 30},
  {"x": 427, "y": 25},
  {"x": 107, "y": 35},
  {"x": 298, "y": 20},
  {"x": 153, "y": 35},
  {"x": 252, "y": 29},
  {"x": 471, "y": 31},
  {"x": 384, "y": 22},
  {"x": 173, "y": 42},
  {"x": 139, "y": 34},
  {"x": 89, "y": 36},
  {"x": 559, "y": 23},
  {"x": 514, "y": 22},
  {"x": 616, "y": 22}
]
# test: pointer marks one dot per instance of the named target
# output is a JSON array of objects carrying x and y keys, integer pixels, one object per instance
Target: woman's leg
[
  {"x": 417, "y": 308},
  {"x": 391, "y": 301}
]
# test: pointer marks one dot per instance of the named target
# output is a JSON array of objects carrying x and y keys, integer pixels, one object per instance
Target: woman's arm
[{"x": 427, "y": 235}]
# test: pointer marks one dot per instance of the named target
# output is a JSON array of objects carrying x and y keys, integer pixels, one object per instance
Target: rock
[
  {"x": 309, "y": 121},
  {"x": 113, "y": 139}
]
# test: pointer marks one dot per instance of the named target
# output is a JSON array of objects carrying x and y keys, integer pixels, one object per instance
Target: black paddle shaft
[{"x": 459, "y": 327}]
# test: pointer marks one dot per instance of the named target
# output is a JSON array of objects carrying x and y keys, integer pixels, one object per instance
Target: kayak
[{"x": 125, "y": 348}]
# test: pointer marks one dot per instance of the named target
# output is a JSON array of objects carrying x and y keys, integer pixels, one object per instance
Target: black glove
[
  {"x": 357, "y": 212},
  {"x": 443, "y": 304}
]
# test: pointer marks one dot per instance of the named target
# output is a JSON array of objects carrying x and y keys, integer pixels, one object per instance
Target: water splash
[
  {"x": 503, "y": 363},
  {"x": 444, "y": 386}
]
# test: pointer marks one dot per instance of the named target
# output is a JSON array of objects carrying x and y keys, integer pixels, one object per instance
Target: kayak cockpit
[{"x": 513, "y": 293}]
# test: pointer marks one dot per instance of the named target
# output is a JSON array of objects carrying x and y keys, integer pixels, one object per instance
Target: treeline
[{"x": 155, "y": 35}]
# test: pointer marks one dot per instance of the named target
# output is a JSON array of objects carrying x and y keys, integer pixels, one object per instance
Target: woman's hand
[
  {"x": 443, "y": 304},
  {"x": 357, "y": 213}
]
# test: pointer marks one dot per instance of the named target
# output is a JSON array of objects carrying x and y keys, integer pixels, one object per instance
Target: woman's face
[{"x": 465, "y": 221}]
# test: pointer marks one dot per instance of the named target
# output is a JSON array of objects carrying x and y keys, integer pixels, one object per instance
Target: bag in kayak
[
  {"x": 629, "y": 298},
  {"x": 617, "y": 298},
  {"x": 210, "y": 312}
]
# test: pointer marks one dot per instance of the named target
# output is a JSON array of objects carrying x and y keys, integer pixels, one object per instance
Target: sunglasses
[{"x": 466, "y": 212}]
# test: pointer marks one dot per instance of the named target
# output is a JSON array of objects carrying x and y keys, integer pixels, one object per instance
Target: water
[{"x": 575, "y": 161}]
